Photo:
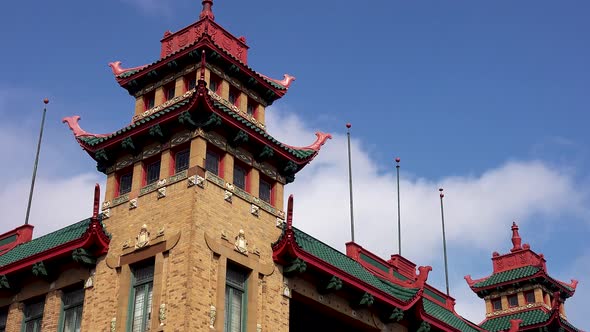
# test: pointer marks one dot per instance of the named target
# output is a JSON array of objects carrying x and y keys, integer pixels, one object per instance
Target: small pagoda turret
[{"x": 521, "y": 291}]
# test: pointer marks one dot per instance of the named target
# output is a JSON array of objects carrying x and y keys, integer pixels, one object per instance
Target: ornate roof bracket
[
  {"x": 186, "y": 119},
  {"x": 127, "y": 144},
  {"x": 297, "y": 266},
  {"x": 240, "y": 138},
  {"x": 331, "y": 285},
  {"x": 265, "y": 154},
  {"x": 39, "y": 270},
  {"x": 82, "y": 256},
  {"x": 424, "y": 327},
  {"x": 366, "y": 300},
  {"x": 157, "y": 132},
  {"x": 4, "y": 284},
  {"x": 396, "y": 315}
]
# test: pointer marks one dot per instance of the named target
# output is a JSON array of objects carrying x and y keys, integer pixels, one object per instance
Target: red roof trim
[
  {"x": 210, "y": 107},
  {"x": 541, "y": 273},
  {"x": 94, "y": 235}
]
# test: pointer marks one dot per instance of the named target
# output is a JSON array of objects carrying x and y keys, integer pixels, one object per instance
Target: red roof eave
[
  {"x": 214, "y": 47},
  {"x": 93, "y": 235},
  {"x": 191, "y": 105},
  {"x": 288, "y": 247},
  {"x": 541, "y": 273}
]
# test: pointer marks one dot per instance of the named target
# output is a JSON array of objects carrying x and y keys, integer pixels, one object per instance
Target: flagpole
[
  {"x": 348, "y": 125},
  {"x": 399, "y": 222},
  {"x": 45, "y": 101},
  {"x": 442, "y": 214}
]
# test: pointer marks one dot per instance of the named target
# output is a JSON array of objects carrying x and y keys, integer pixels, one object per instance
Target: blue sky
[{"x": 488, "y": 98}]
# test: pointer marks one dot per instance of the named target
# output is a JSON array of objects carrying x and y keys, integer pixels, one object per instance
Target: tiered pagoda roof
[
  {"x": 393, "y": 285},
  {"x": 207, "y": 43},
  {"x": 522, "y": 266}
]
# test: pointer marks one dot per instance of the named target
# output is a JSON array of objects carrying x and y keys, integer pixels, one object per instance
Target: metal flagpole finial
[
  {"x": 442, "y": 214},
  {"x": 399, "y": 222},
  {"x": 45, "y": 101},
  {"x": 348, "y": 125}
]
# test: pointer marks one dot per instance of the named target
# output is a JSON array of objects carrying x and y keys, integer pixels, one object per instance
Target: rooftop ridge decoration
[
  {"x": 207, "y": 12},
  {"x": 285, "y": 82},
  {"x": 118, "y": 70},
  {"x": 315, "y": 146},
  {"x": 72, "y": 122}
]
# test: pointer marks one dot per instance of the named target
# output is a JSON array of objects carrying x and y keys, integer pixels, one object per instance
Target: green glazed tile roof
[
  {"x": 44, "y": 243},
  {"x": 445, "y": 315},
  {"x": 350, "y": 266},
  {"x": 133, "y": 72},
  {"x": 528, "y": 318},
  {"x": 505, "y": 276},
  {"x": 298, "y": 153},
  {"x": 92, "y": 141}
]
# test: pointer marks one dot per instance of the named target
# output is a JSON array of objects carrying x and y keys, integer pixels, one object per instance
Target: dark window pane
[
  {"x": 181, "y": 161},
  {"x": 497, "y": 304},
  {"x": 150, "y": 100},
  {"x": 170, "y": 91},
  {"x": 264, "y": 191},
  {"x": 142, "y": 298},
  {"x": 192, "y": 83},
  {"x": 213, "y": 85},
  {"x": 512, "y": 300},
  {"x": 72, "y": 298},
  {"x": 3, "y": 318},
  {"x": 251, "y": 107},
  {"x": 233, "y": 96},
  {"x": 125, "y": 183},
  {"x": 212, "y": 162},
  {"x": 33, "y": 316},
  {"x": 153, "y": 172},
  {"x": 240, "y": 177},
  {"x": 529, "y": 297},
  {"x": 235, "y": 300}
]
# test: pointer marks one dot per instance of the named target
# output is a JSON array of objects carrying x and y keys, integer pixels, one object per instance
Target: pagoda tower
[
  {"x": 521, "y": 292},
  {"x": 194, "y": 193}
]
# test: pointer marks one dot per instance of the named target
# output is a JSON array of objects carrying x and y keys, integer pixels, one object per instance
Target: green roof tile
[
  {"x": 505, "y": 276},
  {"x": 44, "y": 243},
  {"x": 350, "y": 266},
  {"x": 445, "y": 315},
  {"x": 530, "y": 317},
  {"x": 298, "y": 153}
]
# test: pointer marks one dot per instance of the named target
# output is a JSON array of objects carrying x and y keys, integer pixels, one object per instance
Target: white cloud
[
  {"x": 479, "y": 209},
  {"x": 56, "y": 202}
]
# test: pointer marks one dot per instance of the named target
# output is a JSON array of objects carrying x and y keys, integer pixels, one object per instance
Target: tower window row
[
  {"x": 190, "y": 82},
  {"x": 70, "y": 316},
  {"x": 151, "y": 172}
]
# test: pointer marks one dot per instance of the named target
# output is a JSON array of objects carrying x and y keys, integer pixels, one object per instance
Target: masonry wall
[{"x": 190, "y": 276}]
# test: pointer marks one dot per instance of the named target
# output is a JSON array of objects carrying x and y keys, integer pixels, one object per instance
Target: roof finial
[
  {"x": 207, "y": 12},
  {"x": 96, "y": 202},
  {"x": 516, "y": 240}
]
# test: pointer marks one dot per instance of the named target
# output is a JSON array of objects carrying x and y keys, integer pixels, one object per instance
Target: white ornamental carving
[
  {"x": 133, "y": 204},
  {"x": 228, "y": 196},
  {"x": 161, "y": 192},
  {"x": 212, "y": 316},
  {"x": 106, "y": 214},
  {"x": 255, "y": 210},
  {"x": 241, "y": 243},
  {"x": 143, "y": 238},
  {"x": 280, "y": 222}
]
